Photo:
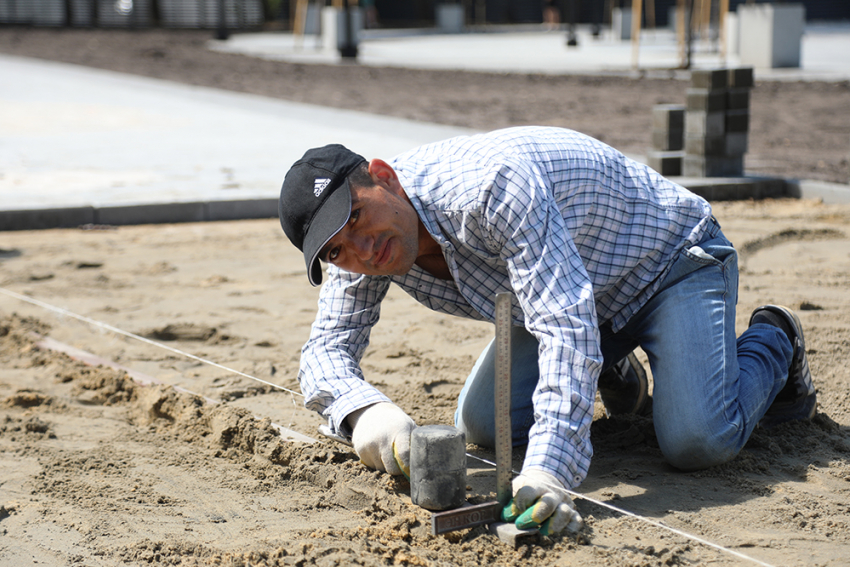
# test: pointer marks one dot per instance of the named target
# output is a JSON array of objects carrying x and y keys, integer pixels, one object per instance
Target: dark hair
[{"x": 360, "y": 177}]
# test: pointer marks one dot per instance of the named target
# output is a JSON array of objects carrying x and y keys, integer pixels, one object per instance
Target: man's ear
[{"x": 382, "y": 172}]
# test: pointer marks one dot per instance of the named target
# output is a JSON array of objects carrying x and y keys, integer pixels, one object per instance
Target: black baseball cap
[{"x": 315, "y": 201}]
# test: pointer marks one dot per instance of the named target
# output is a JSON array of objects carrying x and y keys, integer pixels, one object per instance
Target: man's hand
[
  {"x": 541, "y": 501},
  {"x": 381, "y": 437}
]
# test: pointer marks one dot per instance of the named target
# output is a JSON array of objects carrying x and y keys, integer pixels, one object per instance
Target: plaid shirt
[{"x": 578, "y": 232}]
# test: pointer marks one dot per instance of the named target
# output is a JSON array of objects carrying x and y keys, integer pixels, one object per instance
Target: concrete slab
[
  {"x": 524, "y": 49},
  {"x": 830, "y": 193},
  {"x": 80, "y": 145}
]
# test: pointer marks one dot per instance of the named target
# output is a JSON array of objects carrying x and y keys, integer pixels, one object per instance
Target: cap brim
[{"x": 329, "y": 220}]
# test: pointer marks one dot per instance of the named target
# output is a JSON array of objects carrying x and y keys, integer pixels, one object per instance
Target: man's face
[{"x": 381, "y": 236}]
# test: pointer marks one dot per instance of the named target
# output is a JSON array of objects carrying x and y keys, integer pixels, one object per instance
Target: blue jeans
[{"x": 710, "y": 389}]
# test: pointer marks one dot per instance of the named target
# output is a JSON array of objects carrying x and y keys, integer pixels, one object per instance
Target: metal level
[{"x": 468, "y": 516}]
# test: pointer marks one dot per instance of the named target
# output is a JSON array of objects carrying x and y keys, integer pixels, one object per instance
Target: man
[{"x": 602, "y": 255}]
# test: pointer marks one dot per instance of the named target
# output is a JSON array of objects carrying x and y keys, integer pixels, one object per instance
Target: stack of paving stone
[
  {"x": 668, "y": 139},
  {"x": 717, "y": 121}
]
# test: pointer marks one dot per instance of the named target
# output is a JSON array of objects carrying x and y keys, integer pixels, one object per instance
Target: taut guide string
[{"x": 108, "y": 327}]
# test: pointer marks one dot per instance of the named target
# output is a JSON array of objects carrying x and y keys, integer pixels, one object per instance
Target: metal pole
[
  {"x": 221, "y": 32},
  {"x": 348, "y": 46},
  {"x": 571, "y": 31},
  {"x": 597, "y": 9}
]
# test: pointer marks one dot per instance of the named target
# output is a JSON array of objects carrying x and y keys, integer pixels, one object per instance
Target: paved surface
[
  {"x": 79, "y": 145},
  {"x": 95, "y": 146},
  {"x": 824, "y": 52}
]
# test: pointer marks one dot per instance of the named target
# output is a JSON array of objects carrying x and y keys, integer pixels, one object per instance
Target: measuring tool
[
  {"x": 504, "y": 437},
  {"x": 489, "y": 513}
]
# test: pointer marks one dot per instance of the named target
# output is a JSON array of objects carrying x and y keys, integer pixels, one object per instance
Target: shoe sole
[
  {"x": 642, "y": 404},
  {"x": 643, "y": 394},
  {"x": 809, "y": 408}
]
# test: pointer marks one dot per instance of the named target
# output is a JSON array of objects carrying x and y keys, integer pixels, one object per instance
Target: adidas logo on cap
[{"x": 319, "y": 185}]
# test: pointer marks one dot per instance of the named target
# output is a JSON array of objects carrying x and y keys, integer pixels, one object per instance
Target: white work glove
[
  {"x": 381, "y": 437},
  {"x": 541, "y": 501}
]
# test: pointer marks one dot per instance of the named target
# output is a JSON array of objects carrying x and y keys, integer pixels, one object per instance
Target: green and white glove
[
  {"x": 541, "y": 501},
  {"x": 381, "y": 437}
]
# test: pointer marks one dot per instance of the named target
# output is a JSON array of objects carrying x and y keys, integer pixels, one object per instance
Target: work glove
[
  {"x": 541, "y": 501},
  {"x": 381, "y": 437}
]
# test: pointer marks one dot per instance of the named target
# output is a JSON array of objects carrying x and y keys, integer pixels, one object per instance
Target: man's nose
[{"x": 362, "y": 246}]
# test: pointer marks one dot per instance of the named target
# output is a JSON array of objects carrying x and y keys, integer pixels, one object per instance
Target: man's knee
[
  {"x": 698, "y": 449},
  {"x": 474, "y": 429}
]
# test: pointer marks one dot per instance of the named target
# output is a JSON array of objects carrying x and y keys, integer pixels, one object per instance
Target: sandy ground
[{"x": 96, "y": 470}]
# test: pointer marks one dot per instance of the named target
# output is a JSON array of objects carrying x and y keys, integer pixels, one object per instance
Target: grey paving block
[
  {"x": 668, "y": 140},
  {"x": 737, "y": 120},
  {"x": 713, "y": 166},
  {"x": 38, "y": 219},
  {"x": 512, "y": 535},
  {"x": 741, "y": 77},
  {"x": 665, "y": 163},
  {"x": 710, "y": 78},
  {"x": 707, "y": 100},
  {"x": 736, "y": 143},
  {"x": 668, "y": 117},
  {"x": 737, "y": 98},
  {"x": 728, "y": 144},
  {"x": 702, "y": 123}
]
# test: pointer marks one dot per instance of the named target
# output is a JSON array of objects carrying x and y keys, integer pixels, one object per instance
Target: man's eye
[
  {"x": 355, "y": 214},
  {"x": 333, "y": 254}
]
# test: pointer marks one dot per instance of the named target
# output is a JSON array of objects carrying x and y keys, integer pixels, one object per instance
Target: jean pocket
[{"x": 698, "y": 255}]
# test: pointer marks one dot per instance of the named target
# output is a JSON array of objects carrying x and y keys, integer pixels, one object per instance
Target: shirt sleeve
[
  {"x": 330, "y": 374},
  {"x": 555, "y": 294}
]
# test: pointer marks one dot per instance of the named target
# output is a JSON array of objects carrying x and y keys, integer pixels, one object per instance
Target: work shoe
[
  {"x": 797, "y": 399},
  {"x": 624, "y": 388}
]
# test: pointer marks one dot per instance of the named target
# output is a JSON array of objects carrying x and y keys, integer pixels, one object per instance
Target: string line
[
  {"x": 109, "y": 327},
  {"x": 643, "y": 518}
]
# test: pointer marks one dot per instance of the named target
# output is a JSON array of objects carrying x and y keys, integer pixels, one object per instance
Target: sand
[{"x": 96, "y": 469}]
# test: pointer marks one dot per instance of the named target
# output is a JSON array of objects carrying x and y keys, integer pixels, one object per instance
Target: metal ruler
[{"x": 504, "y": 438}]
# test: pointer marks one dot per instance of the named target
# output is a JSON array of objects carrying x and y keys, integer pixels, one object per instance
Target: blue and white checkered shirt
[{"x": 579, "y": 233}]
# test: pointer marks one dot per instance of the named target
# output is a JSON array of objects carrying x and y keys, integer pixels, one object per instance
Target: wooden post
[
  {"x": 680, "y": 32},
  {"x": 300, "y": 18},
  {"x": 705, "y": 20},
  {"x": 724, "y": 11},
  {"x": 637, "y": 10}
]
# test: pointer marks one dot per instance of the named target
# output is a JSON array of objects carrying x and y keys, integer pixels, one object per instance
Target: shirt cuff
[
  {"x": 350, "y": 402},
  {"x": 558, "y": 457}
]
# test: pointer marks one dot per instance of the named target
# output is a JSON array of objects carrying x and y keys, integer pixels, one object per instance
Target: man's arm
[
  {"x": 333, "y": 383},
  {"x": 556, "y": 296},
  {"x": 330, "y": 374}
]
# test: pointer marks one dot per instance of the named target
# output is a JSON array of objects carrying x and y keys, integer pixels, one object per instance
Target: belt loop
[{"x": 714, "y": 227}]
